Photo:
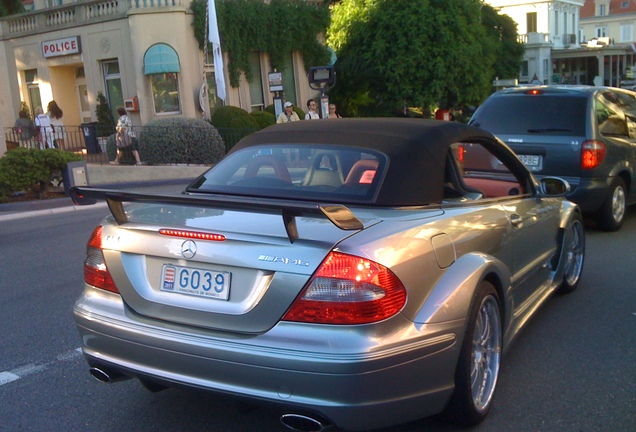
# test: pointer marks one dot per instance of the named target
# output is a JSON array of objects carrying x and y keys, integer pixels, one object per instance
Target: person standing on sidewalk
[
  {"x": 124, "y": 126},
  {"x": 24, "y": 128},
  {"x": 55, "y": 114},
  {"x": 45, "y": 130},
  {"x": 288, "y": 115},
  {"x": 311, "y": 113}
]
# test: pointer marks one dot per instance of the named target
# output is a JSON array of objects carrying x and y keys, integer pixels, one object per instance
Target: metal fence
[{"x": 83, "y": 140}]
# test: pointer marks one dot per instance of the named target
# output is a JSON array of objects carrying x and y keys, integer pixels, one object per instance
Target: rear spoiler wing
[{"x": 338, "y": 214}]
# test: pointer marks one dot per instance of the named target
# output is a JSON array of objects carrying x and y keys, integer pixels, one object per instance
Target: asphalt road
[{"x": 572, "y": 369}]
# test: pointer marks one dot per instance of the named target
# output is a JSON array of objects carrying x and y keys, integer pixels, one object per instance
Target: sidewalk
[{"x": 154, "y": 179}]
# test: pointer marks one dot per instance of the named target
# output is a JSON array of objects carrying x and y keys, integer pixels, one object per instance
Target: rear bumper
[
  {"x": 372, "y": 383},
  {"x": 589, "y": 193}
]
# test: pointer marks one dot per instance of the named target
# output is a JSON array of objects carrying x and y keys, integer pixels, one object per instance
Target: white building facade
[{"x": 141, "y": 54}]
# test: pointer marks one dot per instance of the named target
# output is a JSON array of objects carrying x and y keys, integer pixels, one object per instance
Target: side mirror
[{"x": 554, "y": 186}]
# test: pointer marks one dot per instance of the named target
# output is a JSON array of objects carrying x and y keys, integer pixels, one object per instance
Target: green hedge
[
  {"x": 234, "y": 123},
  {"x": 180, "y": 141},
  {"x": 32, "y": 169}
]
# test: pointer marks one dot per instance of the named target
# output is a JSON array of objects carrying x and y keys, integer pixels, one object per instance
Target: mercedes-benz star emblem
[{"x": 188, "y": 249}]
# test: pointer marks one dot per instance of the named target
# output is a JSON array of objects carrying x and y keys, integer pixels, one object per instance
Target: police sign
[{"x": 61, "y": 47}]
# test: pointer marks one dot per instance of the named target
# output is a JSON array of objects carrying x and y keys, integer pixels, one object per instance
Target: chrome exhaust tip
[
  {"x": 107, "y": 376},
  {"x": 303, "y": 423}
]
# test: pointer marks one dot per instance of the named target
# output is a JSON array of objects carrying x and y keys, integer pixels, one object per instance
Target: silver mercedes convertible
[{"x": 361, "y": 273}]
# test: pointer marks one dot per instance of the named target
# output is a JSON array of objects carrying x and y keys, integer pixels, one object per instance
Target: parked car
[
  {"x": 586, "y": 135},
  {"x": 361, "y": 273}
]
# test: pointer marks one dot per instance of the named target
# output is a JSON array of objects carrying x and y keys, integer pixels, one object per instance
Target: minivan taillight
[
  {"x": 348, "y": 290},
  {"x": 592, "y": 154},
  {"x": 95, "y": 271}
]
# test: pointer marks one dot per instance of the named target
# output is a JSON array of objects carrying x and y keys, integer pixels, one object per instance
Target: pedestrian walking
[
  {"x": 44, "y": 129},
  {"x": 55, "y": 115},
  {"x": 24, "y": 127},
  {"x": 125, "y": 137},
  {"x": 332, "y": 111}
]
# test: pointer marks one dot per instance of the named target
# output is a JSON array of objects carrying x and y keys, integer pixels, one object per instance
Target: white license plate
[
  {"x": 531, "y": 161},
  {"x": 196, "y": 282}
]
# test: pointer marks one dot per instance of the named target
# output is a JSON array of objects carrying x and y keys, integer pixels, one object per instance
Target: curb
[{"x": 51, "y": 211}]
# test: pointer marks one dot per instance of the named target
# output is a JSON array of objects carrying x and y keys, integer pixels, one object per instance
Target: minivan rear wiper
[{"x": 547, "y": 130}]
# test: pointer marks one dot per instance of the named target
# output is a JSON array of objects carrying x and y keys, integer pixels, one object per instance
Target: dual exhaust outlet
[{"x": 295, "y": 422}]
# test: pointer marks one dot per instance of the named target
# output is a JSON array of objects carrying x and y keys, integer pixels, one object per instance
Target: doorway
[{"x": 82, "y": 95}]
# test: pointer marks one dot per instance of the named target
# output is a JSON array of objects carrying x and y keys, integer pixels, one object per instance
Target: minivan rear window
[{"x": 533, "y": 114}]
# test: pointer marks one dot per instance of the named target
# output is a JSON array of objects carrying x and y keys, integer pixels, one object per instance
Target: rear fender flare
[{"x": 451, "y": 297}]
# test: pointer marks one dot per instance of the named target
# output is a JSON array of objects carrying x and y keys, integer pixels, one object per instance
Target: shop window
[
  {"x": 112, "y": 85},
  {"x": 257, "y": 101},
  {"x": 161, "y": 64},
  {"x": 165, "y": 93}
]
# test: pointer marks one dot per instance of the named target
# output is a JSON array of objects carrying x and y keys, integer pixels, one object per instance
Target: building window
[
  {"x": 53, "y": 3},
  {"x": 627, "y": 32},
  {"x": 161, "y": 64},
  {"x": 112, "y": 85},
  {"x": 524, "y": 68},
  {"x": 556, "y": 23},
  {"x": 257, "y": 101},
  {"x": 624, "y": 5},
  {"x": 546, "y": 65},
  {"x": 531, "y": 22},
  {"x": 33, "y": 89},
  {"x": 213, "y": 100},
  {"x": 600, "y": 32},
  {"x": 165, "y": 93},
  {"x": 602, "y": 10},
  {"x": 289, "y": 81}
]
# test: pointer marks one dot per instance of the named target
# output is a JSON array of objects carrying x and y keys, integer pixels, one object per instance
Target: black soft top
[{"x": 416, "y": 148}]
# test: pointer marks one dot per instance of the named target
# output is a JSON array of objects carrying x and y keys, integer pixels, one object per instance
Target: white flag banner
[{"x": 213, "y": 32}]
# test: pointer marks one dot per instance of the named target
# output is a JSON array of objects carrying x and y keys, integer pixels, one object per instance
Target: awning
[{"x": 161, "y": 58}]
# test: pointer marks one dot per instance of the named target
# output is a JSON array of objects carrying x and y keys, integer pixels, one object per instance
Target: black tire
[
  {"x": 479, "y": 360},
  {"x": 572, "y": 255},
  {"x": 611, "y": 215}
]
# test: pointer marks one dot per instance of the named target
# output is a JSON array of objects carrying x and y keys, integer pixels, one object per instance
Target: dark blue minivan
[{"x": 584, "y": 134}]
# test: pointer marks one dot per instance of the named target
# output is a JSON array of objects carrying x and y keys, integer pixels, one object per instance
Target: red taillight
[
  {"x": 592, "y": 154},
  {"x": 95, "y": 271},
  {"x": 534, "y": 92},
  {"x": 461, "y": 154},
  {"x": 348, "y": 290}
]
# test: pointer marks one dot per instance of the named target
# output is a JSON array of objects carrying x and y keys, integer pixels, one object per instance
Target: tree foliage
[
  {"x": 10, "y": 7},
  {"x": 394, "y": 54},
  {"x": 503, "y": 33}
]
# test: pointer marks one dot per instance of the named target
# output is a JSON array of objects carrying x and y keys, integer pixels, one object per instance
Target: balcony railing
[{"x": 77, "y": 14}]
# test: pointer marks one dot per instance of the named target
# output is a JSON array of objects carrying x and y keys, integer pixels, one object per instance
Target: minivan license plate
[
  {"x": 531, "y": 161},
  {"x": 196, "y": 282}
]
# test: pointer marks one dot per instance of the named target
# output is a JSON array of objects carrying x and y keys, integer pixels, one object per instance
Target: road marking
[
  {"x": 30, "y": 369},
  {"x": 7, "y": 377}
]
